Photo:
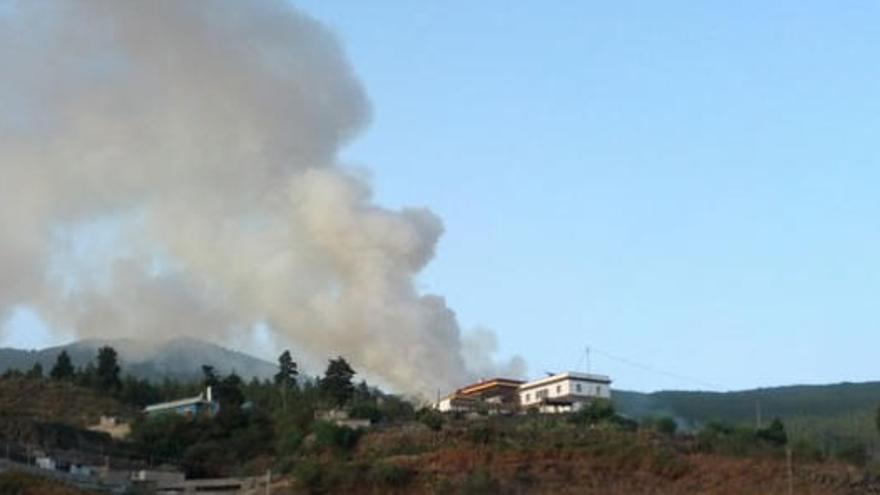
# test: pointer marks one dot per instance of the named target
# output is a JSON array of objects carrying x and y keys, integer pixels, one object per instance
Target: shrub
[
  {"x": 480, "y": 482},
  {"x": 853, "y": 452},
  {"x": 593, "y": 413},
  {"x": 366, "y": 411},
  {"x": 289, "y": 440},
  {"x": 807, "y": 451},
  {"x": 664, "y": 425},
  {"x": 391, "y": 475},
  {"x": 308, "y": 474},
  {"x": 481, "y": 433},
  {"x": 329, "y": 435},
  {"x": 431, "y": 418},
  {"x": 774, "y": 434}
]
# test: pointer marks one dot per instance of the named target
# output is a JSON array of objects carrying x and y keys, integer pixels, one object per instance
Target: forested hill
[
  {"x": 743, "y": 406},
  {"x": 180, "y": 358}
]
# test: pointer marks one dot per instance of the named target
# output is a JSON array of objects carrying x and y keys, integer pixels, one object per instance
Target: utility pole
[
  {"x": 790, "y": 471},
  {"x": 758, "y": 414},
  {"x": 588, "y": 360}
]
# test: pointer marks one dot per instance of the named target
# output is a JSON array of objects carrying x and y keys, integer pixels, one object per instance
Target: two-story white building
[{"x": 564, "y": 392}]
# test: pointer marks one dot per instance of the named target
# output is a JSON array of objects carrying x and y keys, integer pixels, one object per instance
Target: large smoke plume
[{"x": 170, "y": 168}]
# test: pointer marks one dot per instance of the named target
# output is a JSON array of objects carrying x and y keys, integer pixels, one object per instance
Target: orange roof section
[{"x": 489, "y": 384}]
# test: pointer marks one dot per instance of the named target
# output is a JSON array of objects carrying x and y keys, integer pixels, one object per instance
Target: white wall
[{"x": 566, "y": 387}]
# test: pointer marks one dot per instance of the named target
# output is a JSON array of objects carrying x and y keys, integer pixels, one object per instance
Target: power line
[{"x": 652, "y": 369}]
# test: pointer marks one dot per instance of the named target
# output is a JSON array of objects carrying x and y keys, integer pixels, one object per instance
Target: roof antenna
[{"x": 588, "y": 360}]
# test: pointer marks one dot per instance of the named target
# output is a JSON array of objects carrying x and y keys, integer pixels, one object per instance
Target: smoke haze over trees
[{"x": 171, "y": 168}]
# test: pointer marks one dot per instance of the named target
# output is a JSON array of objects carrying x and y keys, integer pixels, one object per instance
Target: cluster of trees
[
  {"x": 257, "y": 419},
  {"x": 104, "y": 375},
  {"x": 266, "y": 419}
]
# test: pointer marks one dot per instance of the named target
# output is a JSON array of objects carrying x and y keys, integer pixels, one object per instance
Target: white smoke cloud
[{"x": 206, "y": 133}]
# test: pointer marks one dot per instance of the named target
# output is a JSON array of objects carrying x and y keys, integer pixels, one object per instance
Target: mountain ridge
[{"x": 179, "y": 358}]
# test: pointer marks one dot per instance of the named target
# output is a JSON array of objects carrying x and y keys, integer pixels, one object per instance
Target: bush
[
  {"x": 853, "y": 452},
  {"x": 593, "y": 413},
  {"x": 740, "y": 440},
  {"x": 664, "y": 425},
  {"x": 431, "y": 418},
  {"x": 807, "y": 451},
  {"x": 391, "y": 475},
  {"x": 480, "y": 482},
  {"x": 774, "y": 434},
  {"x": 308, "y": 474},
  {"x": 329, "y": 435},
  {"x": 289, "y": 440},
  {"x": 481, "y": 433},
  {"x": 366, "y": 411}
]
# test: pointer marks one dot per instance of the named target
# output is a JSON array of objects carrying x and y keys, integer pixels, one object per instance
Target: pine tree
[
  {"x": 210, "y": 378},
  {"x": 63, "y": 369},
  {"x": 285, "y": 379},
  {"x": 337, "y": 382},
  {"x": 108, "y": 369}
]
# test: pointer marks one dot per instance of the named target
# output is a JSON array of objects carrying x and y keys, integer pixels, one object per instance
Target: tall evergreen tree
[
  {"x": 210, "y": 378},
  {"x": 285, "y": 379},
  {"x": 108, "y": 369},
  {"x": 63, "y": 369},
  {"x": 337, "y": 383}
]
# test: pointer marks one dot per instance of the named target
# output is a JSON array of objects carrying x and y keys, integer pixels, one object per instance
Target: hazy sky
[{"x": 691, "y": 186}]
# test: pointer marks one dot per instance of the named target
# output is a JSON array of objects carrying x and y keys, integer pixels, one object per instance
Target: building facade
[
  {"x": 564, "y": 392},
  {"x": 203, "y": 404},
  {"x": 496, "y": 395}
]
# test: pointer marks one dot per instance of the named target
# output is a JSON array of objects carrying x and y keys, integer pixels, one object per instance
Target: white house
[
  {"x": 564, "y": 392},
  {"x": 43, "y": 461},
  {"x": 456, "y": 403}
]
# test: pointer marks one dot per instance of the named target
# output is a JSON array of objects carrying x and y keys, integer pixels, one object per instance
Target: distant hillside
[
  {"x": 830, "y": 416},
  {"x": 743, "y": 406},
  {"x": 178, "y": 358}
]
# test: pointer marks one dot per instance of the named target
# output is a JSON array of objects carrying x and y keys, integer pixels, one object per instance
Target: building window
[
  {"x": 599, "y": 391},
  {"x": 528, "y": 397},
  {"x": 541, "y": 394},
  {"x": 578, "y": 387},
  {"x": 558, "y": 389}
]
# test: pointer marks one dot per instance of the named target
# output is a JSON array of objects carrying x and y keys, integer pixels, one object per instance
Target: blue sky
[
  {"x": 688, "y": 185},
  {"x": 691, "y": 186}
]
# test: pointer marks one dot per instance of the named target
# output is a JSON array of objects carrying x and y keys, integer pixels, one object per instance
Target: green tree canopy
[
  {"x": 285, "y": 379},
  {"x": 108, "y": 369},
  {"x": 774, "y": 434},
  {"x": 210, "y": 376},
  {"x": 63, "y": 369},
  {"x": 337, "y": 383},
  {"x": 287, "y": 371}
]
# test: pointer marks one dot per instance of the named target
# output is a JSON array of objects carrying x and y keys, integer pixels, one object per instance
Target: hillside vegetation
[
  {"x": 57, "y": 401},
  {"x": 16, "y": 483},
  {"x": 838, "y": 419},
  {"x": 282, "y": 424},
  {"x": 799, "y": 400},
  {"x": 561, "y": 455}
]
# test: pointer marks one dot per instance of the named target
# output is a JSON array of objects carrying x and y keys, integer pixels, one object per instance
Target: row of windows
[{"x": 544, "y": 393}]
